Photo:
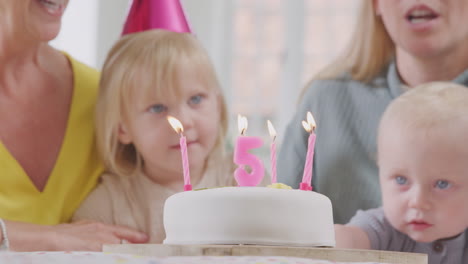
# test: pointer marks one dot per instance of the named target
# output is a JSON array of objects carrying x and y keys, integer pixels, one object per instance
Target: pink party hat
[{"x": 156, "y": 14}]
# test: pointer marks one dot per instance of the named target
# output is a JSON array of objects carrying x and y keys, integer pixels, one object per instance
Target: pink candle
[
  {"x": 309, "y": 126},
  {"x": 185, "y": 163},
  {"x": 243, "y": 158},
  {"x": 177, "y": 126},
  {"x": 272, "y": 132}
]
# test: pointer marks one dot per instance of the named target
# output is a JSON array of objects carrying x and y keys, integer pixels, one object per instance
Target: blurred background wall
[{"x": 263, "y": 50}]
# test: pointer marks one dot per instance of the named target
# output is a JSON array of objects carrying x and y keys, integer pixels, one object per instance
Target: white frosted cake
[{"x": 249, "y": 215}]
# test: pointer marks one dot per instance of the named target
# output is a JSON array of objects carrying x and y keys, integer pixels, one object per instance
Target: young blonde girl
[{"x": 146, "y": 77}]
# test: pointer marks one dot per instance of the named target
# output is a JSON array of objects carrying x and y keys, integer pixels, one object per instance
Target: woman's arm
[
  {"x": 79, "y": 236},
  {"x": 351, "y": 237}
]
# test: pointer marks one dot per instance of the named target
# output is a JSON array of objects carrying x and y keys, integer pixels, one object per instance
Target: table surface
[
  {"x": 112, "y": 258},
  {"x": 329, "y": 254}
]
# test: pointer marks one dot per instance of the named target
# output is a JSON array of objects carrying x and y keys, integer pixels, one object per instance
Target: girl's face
[
  {"x": 147, "y": 128},
  {"x": 425, "y": 28},
  {"x": 424, "y": 181}
]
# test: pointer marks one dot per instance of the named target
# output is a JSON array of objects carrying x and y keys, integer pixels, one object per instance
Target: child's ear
[{"x": 124, "y": 135}]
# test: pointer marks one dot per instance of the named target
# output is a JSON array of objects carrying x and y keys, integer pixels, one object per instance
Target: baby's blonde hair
[
  {"x": 430, "y": 106},
  {"x": 149, "y": 62}
]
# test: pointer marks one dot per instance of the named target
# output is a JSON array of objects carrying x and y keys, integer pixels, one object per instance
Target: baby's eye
[
  {"x": 442, "y": 184},
  {"x": 196, "y": 99},
  {"x": 158, "y": 108},
  {"x": 401, "y": 180}
]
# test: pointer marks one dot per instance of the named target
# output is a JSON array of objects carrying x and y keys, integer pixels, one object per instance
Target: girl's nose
[
  {"x": 420, "y": 199},
  {"x": 187, "y": 118}
]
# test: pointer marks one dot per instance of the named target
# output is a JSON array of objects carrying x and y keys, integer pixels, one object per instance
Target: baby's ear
[{"x": 124, "y": 135}]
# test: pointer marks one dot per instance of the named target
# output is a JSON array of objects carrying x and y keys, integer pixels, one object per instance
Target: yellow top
[{"x": 76, "y": 170}]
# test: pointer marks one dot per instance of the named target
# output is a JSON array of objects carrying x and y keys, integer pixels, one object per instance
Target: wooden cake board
[{"x": 332, "y": 254}]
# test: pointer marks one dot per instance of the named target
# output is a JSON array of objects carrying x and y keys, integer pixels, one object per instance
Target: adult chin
[
  {"x": 49, "y": 32},
  {"x": 431, "y": 45},
  {"x": 48, "y": 19}
]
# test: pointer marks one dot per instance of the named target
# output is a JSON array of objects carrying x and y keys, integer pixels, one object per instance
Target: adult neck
[
  {"x": 415, "y": 70},
  {"x": 15, "y": 47},
  {"x": 31, "y": 61}
]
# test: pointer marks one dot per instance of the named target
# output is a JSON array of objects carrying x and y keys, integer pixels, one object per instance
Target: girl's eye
[
  {"x": 442, "y": 184},
  {"x": 196, "y": 99},
  {"x": 400, "y": 180},
  {"x": 158, "y": 108}
]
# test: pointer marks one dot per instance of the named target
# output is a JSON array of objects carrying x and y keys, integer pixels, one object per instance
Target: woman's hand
[{"x": 78, "y": 236}]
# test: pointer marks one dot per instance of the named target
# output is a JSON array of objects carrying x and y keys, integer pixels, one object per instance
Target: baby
[{"x": 423, "y": 167}]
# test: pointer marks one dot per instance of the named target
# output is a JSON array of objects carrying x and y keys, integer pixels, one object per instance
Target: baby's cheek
[{"x": 394, "y": 212}]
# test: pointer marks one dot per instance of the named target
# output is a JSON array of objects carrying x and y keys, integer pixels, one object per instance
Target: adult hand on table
[{"x": 79, "y": 236}]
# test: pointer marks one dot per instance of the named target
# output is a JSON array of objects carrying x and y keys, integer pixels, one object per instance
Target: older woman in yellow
[
  {"x": 398, "y": 44},
  {"x": 48, "y": 158}
]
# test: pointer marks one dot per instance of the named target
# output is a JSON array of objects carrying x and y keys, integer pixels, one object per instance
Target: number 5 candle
[
  {"x": 309, "y": 126},
  {"x": 243, "y": 158},
  {"x": 177, "y": 126}
]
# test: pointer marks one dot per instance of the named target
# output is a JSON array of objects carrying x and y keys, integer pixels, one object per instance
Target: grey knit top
[
  {"x": 383, "y": 236},
  {"x": 347, "y": 113}
]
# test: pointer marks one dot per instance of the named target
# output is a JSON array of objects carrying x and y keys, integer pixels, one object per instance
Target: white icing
[{"x": 249, "y": 215}]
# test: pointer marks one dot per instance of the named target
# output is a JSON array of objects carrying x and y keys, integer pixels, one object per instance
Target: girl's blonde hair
[
  {"x": 370, "y": 49},
  {"x": 151, "y": 62}
]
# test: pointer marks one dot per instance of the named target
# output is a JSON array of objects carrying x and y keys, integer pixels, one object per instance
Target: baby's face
[{"x": 424, "y": 181}]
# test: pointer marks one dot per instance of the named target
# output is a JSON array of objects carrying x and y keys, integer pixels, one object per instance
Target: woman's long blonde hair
[
  {"x": 370, "y": 49},
  {"x": 149, "y": 61}
]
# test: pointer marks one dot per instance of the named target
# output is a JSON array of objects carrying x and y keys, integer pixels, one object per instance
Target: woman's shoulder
[
  {"x": 344, "y": 82},
  {"x": 344, "y": 87},
  {"x": 83, "y": 75}
]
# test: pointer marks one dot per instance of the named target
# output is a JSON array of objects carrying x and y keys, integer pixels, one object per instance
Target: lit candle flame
[
  {"x": 176, "y": 125},
  {"x": 310, "y": 125},
  {"x": 242, "y": 124},
  {"x": 271, "y": 130}
]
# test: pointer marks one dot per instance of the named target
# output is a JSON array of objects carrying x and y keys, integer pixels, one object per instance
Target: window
[
  {"x": 264, "y": 50},
  {"x": 277, "y": 46}
]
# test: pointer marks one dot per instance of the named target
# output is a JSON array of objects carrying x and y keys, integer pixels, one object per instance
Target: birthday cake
[{"x": 249, "y": 215}]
